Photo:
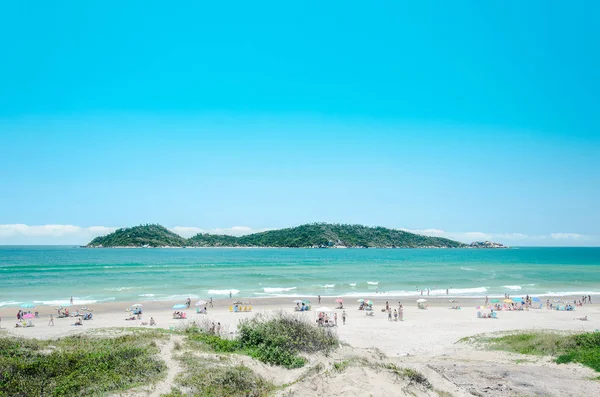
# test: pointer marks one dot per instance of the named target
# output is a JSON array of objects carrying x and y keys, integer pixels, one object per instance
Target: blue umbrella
[
  {"x": 27, "y": 305},
  {"x": 535, "y": 299},
  {"x": 517, "y": 299},
  {"x": 180, "y": 306}
]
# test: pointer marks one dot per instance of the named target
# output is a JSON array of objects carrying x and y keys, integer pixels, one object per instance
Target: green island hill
[{"x": 314, "y": 235}]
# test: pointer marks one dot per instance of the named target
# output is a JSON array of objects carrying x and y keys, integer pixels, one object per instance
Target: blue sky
[{"x": 464, "y": 119}]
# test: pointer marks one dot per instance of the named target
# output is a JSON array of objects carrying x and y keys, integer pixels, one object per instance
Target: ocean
[{"x": 50, "y": 275}]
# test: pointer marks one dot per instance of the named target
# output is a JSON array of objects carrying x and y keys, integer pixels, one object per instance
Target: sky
[{"x": 466, "y": 119}]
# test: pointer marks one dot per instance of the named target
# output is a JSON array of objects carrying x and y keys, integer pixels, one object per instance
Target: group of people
[
  {"x": 301, "y": 308},
  {"x": 397, "y": 314},
  {"x": 324, "y": 320},
  {"x": 179, "y": 315},
  {"x": 22, "y": 313}
]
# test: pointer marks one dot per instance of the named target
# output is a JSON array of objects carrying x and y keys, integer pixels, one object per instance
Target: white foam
[
  {"x": 147, "y": 295},
  {"x": 353, "y": 284},
  {"x": 570, "y": 293},
  {"x": 118, "y": 289},
  {"x": 512, "y": 287},
  {"x": 468, "y": 269},
  {"x": 373, "y": 282},
  {"x": 76, "y": 301},
  {"x": 329, "y": 286},
  {"x": 273, "y": 290},
  {"x": 9, "y": 303},
  {"x": 223, "y": 291}
]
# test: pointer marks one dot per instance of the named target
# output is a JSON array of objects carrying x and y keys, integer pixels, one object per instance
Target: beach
[
  {"x": 427, "y": 340},
  {"x": 431, "y": 341},
  {"x": 428, "y": 331}
]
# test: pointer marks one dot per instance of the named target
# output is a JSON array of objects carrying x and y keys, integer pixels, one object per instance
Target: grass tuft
[
  {"x": 204, "y": 378},
  {"x": 77, "y": 365},
  {"x": 276, "y": 339},
  {"x": 580, "y": 348}
]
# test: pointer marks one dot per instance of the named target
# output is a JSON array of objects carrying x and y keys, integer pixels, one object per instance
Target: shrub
[{"x": 78, "y": 365}]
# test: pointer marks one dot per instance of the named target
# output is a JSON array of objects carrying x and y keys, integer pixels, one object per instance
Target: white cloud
[
  {"x": 513, "y": 238},
  {"x": 567, "y": 236},
  {"x": 50, "y": 234}
]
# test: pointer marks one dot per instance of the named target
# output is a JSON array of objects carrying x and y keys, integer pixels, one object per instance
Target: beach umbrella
[
  {"x": 179, "y": 306},
  {"x": 306, "y": 302},
  {"x": 339, "y": 300},
  {"x": 421, "y": 300},
  {"x": 27, "y": 305},
  {"x": 495, "y": 300},
  {"x": 360, "y": 300},
  {"x": 200, "y": 303},
  {"x": 507, "y": 301},
  {"x": 28, "y": 315},
  {"x": 369, "y": 303},
  {"x": 137, "y": 305},
  {"x": 535, "y": 299},
  {"x": 517, "y": 300},
  {"x": 482, "y": 308},
  {"x": 298, "y": 301}
]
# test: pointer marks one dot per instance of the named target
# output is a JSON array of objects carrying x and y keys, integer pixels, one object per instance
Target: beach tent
[
  {"x": 179, "y": 306},
  {"x": 137, "y": 305},
  {"x": 421, "y": 303}
]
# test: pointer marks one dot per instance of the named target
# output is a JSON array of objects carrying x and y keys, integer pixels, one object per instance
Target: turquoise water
[{"x": 50, "y": 275}]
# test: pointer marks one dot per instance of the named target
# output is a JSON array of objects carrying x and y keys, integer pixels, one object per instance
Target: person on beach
[
  {"x": 401, "y": 313},
  {"x": 188, "y": 302},
  {"x": 218, "y": 329},
  {"x": 319, "y": 296},
  {"x": 229, "y": 294},
  {"x": 387, "y": 306},
  {"x": 51, "y": 322},
  {"x": 395, "y": 315},
  {"x": 211, "y": 304},
  {"x": 71, "y": 300},
  {"x": 335, "y": 319},
  {"x": 589, "y": 298},
  {"x": 152, "y": 322},
  {"x": 344, "y": 317},
  {"x": 212, "y": 328},
  {"x": 389, "y": 315},
  {"x": 446, "y": 291}
]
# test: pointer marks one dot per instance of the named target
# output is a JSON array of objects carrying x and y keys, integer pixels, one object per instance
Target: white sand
[{"x": 425, "y": 340}]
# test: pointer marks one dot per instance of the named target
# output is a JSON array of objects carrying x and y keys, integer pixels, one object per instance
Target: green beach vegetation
[
  {"x": 278, "y": 339},
  {"x": 583, "y": 348},
  {"x": 78, "y": 365},
  {"x": 314, "y": 235}
]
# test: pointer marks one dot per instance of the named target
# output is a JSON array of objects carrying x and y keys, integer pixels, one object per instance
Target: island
[
  {"x": 486, "y": 244},
  {"x": 313, "y": 235}
]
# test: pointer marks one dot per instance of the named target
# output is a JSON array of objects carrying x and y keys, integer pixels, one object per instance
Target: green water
[{"x": 50, "y": 275}]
